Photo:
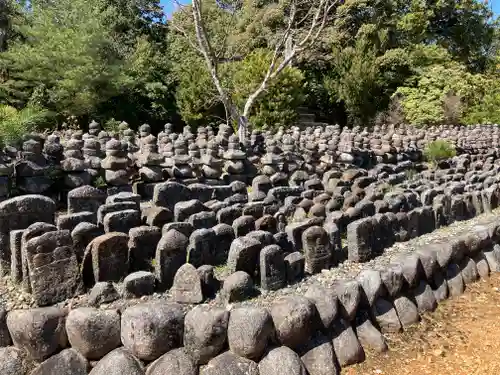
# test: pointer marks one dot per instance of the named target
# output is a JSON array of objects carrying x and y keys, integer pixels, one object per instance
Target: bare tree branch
[{"x": 317, "y": 25}]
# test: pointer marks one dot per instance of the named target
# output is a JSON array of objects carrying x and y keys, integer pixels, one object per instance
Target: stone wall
[
  {"x": 200, "y": 255},
  {"x": 320, "y": 332}
]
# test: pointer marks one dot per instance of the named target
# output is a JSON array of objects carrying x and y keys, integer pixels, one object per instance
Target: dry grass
[{"x": 462, "y": 337}]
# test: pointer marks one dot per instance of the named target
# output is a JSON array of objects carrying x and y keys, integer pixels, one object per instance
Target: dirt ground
[{"x": 462, "y": 337}]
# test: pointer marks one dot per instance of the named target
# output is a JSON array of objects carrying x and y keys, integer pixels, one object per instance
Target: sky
[
  {"x": 170, "y": 5},
  {"x": 495, "y": 5}
]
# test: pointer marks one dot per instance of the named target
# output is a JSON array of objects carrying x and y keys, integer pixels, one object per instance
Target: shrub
[
  {"x": 14, "y": 124},
  {"x": 439, "y": 150}
]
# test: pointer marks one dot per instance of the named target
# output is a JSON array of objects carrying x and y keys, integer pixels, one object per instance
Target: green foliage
[
  {"x": 277, "y": 107},
  {"x": 439, "y": 150},
  {"x": 437, "y": 94},
  {"x": 66, "y": 64},
  {"x": 99, "y": 182},
  {"x": 439, "y": 60},
  {"x": 486, "y": 107},
  {"x": 112, "y": 125},
  {"x": 15, "y": 124}
]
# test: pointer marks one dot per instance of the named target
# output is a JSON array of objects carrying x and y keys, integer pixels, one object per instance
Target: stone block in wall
[
  {"x": 369, "y": 336},
  {"x": 243, "y": 225},
  {"x": 82, "y": 235},
  {"x": 294, "y": 319},
  {"x": 68, "y": 361},
  {"x": 5, "y": 339},
  {"x": 360, "y": 240},
  {"x": 250, "y": 331},
  {"x": 40, "y": 332},
  {"x": 121, "y": 221},
  {"x": 281, "y": 361},
  {"x": 439, "y": 286},
  {"x": 53, "y": 267},
  {"x": 12, "y": 360},
  {"x": 106, "y": 257},
  {"x": 454, "y": 280},
  {"x": 326, "y": 303},
  {"x": 151, "y": 329},
  {"x": 118, "y": 362},
  {"x": 33, "y": 231},
  {"x": 169, "y": 193},
  {"x": 114, "y": 207},
  {"x": 142, "y": 245},
  {"x": 204, "y": 219},
  {"x": 295, "y": 231},
  {"x": 469, "y": 270},
  {"x": 113, "y": 190},
  {"x": 424, "y": 297},
  {"x": 93, "y": 332},
  {"x": 386, "y": 317},
  {"x": 144, "y": 189},
  {"x": 371, "y": 286},
  {"x": 16, "y": 265},
  {"x": 229, "y": 363},
  {"x": 272, "y": 268},
  {"x": 346, "y": 345},
  {"x": 176, "y": 361},
  {"x": 392, "y": 279},
  {"x": 318, "y": 250},
  {"x": 406, "y": 310},
  {"x": 19, "y": 213},
  {"x": 171, "y": 254},
  {"x": 295, "y": 267},
  {"x": 205, "y": 332},
  {"x": 85, "y": 198},
  {"x": 70, "y": 221},
  {"x": 350, "y": 297}
]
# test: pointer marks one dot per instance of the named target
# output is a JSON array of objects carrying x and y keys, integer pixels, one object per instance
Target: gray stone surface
[
  {"x": 151, "y": 329},
  {"x": 40, "y": 332},
  {"x": 281, "y": 361},
  {"x": 205, "y": 332},
  {"x": 93, "y": 332},
  {"x": 118, "y": 362}
]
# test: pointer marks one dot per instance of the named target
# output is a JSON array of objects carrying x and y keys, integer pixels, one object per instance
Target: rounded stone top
[
  {"x": 73, "y": 144},
  {"x": 149, "y": 140},
  {"x": 92, "y": 144},
  {"x": 123, "y": 125},
  {"x": 77, "y": 134},
  {"x": 103, "y": 134},
  {"x": 168, "y": 127},
  {"x": 128, "y": 133},
  {"x": 114, "y": 144},
  {"x": 94, "y": 125},
  {"x": 32, "y": 146},
  {"x": 211, "y": 145},
  {"x": 180, "y": 143},
  {"x": 233, "y": 139},
  {"x": 53, "y": 138},
  {"x": 145, "y": 128},
  {"x": 87, "y": 191},
  {"x": 193, "y": 147}
]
